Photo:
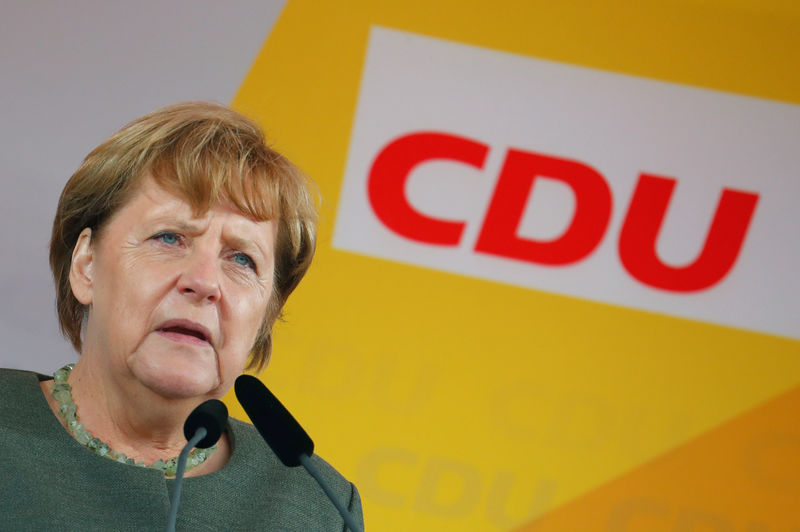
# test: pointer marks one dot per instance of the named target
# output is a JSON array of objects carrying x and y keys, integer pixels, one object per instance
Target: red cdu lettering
[
  {"x": 637, "y": 241},
  {"x": 390, "y": 171},
  {"x": 592, "y": 210}
]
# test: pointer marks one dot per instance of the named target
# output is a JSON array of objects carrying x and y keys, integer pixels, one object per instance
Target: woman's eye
[
  {"x": 167, "y": 238},
  {"x": 242, "y": 259}
]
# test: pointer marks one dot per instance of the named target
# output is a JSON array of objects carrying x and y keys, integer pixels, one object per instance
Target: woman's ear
[{"x": 80, "y": 271}]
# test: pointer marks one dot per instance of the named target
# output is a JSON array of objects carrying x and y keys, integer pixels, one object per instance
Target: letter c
[{"x": 390, "y": 171}]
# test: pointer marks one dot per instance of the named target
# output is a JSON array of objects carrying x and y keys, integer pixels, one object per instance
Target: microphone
[
  {"x": 284, "y": 434},
  {"x": 212, "y": 416},
  {"x": 203, "y": 428},
  {"x": 275, "y": 424}
]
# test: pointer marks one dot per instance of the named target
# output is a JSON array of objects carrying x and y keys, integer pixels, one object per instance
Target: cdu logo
[{"x": 499, "y": 236}]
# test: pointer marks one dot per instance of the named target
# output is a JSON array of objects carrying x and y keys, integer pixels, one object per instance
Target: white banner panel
[{"x": 586, "y": 183}]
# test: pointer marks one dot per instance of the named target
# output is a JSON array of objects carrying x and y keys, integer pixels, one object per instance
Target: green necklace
[{"x": 69, "y": 412}]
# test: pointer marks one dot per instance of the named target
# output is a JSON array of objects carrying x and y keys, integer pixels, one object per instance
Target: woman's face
[{"x": 176, "y": 300}]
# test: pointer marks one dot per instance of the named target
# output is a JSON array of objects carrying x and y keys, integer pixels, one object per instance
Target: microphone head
[
  {"x": 280, "y": 430},
  {"x": 213, "y": 415}
]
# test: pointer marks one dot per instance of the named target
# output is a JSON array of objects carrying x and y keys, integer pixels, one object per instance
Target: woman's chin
[{"x": 175, "y": 380}]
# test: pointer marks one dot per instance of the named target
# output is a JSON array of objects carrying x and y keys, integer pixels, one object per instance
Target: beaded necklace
[{"x": 69, "y": 412}]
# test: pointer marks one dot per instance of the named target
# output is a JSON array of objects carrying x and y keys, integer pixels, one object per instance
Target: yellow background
[{"x": 460, "y": 404}]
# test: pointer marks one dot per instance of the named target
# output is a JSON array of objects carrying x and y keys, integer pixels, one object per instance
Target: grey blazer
[{"x": 48, "y": 481}]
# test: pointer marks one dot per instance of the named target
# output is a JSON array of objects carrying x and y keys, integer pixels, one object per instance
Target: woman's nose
[{"x": 200, "y": 277}]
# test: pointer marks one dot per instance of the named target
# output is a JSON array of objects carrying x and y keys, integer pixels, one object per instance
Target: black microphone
[
  {"x": 284, "y": 434},
  {"x": 277, "y": 426},
  {"x": 203, "y": 428},
  {"x": 211, "y": 415}
]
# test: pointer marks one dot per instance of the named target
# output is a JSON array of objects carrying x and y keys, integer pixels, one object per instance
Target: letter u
[{"x": 637, "y": 241}]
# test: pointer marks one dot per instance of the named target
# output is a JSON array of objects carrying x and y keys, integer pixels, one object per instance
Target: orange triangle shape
[{"x": 742, "y": 476}]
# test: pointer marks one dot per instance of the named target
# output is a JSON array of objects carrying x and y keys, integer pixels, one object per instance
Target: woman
[{"x": 175, "y": 245}]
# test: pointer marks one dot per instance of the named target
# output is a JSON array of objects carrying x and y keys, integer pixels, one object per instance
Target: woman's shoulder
[
  {"x": 17, "y": 381},
  {"x": 26, "y": 413},
  {"x": 286, "y": 494},
  {"x": 250, "y": 446}
]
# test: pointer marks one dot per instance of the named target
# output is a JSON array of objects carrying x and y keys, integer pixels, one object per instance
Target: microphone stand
[
  {"x": 305, "y": 460},
  {"x": 175, "y": 497}
]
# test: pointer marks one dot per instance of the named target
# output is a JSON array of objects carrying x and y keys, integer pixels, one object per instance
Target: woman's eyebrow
[
  {"x": 177, "y": 223},
  {"x": 246, "y": 244},
  {"x": 187, "y": 227}
]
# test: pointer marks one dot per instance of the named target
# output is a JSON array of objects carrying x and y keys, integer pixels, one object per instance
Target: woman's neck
[{"x": 131, "y": 419}]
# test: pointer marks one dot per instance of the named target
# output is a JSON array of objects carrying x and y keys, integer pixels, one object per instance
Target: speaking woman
[{"x": 175, "y": 245}]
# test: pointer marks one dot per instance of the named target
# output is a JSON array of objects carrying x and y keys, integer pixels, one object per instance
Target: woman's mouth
[{"x": 184, "y": 331}]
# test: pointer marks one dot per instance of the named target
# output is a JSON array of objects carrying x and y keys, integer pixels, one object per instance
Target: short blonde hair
[{"x": 204, "y": 153}]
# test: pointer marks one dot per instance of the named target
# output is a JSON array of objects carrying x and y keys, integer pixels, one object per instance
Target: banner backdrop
[{"x": 556, "y": 279}]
